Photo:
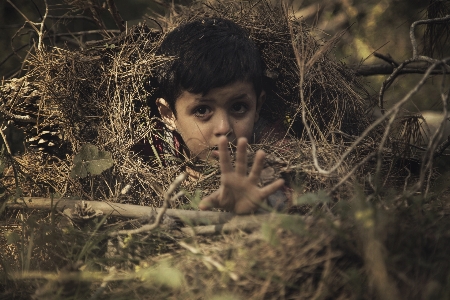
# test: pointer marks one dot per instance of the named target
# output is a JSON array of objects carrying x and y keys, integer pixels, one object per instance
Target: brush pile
[{"x": 99, "y": 96}]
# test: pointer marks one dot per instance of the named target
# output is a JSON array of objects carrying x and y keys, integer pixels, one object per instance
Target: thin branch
[
  {"x": 377, "y": 122},
  {"x": 96, "y": 16},
  {"x": 13, "y": 53},
  {"x": 116, "y": 15},
  {"x": 386, "y": 58},
  {"x": 167, "y": 199},
  {"x": 440, "y": 150},
  {"x": 413, "y": 27},
  {"x": 95, "y": 31},
  {"x": 5, "y": 141},
  {"x": 72, "y": 17},
  {"x": 33, "y": 24},
  {"x": 41, "y": 29},
  {"x": 15, "y": 117},
  {"x": 384, "y": 69},
  {"x": 433, "y": 144},
  {"x": 244, "y": 223}
]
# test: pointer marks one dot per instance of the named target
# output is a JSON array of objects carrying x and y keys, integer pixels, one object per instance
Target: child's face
[{"x": 229, "y": 111}]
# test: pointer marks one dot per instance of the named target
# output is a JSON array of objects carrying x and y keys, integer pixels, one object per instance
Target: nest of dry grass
[{"x": 98, "y": 95}]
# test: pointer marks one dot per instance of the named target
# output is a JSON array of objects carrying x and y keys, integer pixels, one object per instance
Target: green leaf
[
  {"x": 269, "y": 233},
  {"x": 294, "y": 224},
  {"x": 312, "y": 198},
  {"x": 163, "y": 274},
  {"x": 90, "y": 160},
  {"x": 15, "y": 138}
]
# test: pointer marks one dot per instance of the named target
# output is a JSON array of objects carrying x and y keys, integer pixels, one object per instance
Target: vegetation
[{"x": 370, "y": 204}]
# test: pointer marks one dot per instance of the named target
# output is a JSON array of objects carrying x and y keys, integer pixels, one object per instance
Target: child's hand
[{"x": 238, "y": 192}]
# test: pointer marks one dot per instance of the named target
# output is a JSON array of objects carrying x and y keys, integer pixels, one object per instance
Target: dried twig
[
  {"x": 386, "y": 58},
  {"x": 167, "y": 199},
  {"x": 96, "y": 16},
  {"x": 412, "y": 37},
  {"x": 20, "y": 118},
  {"x": 71, "y": 17},
  {"x": 440, "y": 150},
  {"x": 208, "y": 259},
  {"x": 40, "y": 31},
  {"x": 126, "y": 210},
  {"x": 116, "y": 15},
  {"x": 385, "y": 69}
]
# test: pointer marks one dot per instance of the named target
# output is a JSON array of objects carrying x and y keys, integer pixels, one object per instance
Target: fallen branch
[
  {"x": 125, "y": 210},
  {"x": 213, "y": 222},
  {"x": 244, "y": 223}
]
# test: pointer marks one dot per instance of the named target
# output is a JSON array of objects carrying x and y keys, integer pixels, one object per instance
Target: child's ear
[
  {"x": 166, "y": 113},
  {"x": 259, "y": 104}
]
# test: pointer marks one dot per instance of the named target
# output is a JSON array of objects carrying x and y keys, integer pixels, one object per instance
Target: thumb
[{"x": 210, "y": 201}]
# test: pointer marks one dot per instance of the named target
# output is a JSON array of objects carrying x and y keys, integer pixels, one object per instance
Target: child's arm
[{"x": 238, "y": 192}]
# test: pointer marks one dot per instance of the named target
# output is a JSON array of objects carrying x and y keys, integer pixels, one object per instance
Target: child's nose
[{"x": 223, "y": 127}]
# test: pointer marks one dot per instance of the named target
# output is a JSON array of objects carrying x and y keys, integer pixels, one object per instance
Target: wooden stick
[
  {"x": 213, "y": 222},
  {"x": 190, "y": 217},
  {"x": 245, "y": 223}
]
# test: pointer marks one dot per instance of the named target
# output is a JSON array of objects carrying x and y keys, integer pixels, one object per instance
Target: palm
[{"x": 238, "y": 192}]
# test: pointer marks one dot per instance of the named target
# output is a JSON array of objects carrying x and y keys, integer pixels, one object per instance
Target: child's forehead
[{"x": 234, "y": 91}]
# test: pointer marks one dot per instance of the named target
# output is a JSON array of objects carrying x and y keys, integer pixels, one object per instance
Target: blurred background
[{"x": 371, "y": 26}]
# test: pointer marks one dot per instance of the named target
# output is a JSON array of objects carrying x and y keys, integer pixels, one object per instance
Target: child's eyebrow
[
  {"x": 201, "y": 99},
  {"x": 233, "y": 98},
  {"x": 241, "y": 96}
]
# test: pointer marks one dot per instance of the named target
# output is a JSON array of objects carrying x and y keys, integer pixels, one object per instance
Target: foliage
[
  {"x": 91, "y": 160},
  {"x": 372, "y": 229}
]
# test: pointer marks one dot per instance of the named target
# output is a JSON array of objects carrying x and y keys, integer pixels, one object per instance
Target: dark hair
[{"x": 207, "y": 53}]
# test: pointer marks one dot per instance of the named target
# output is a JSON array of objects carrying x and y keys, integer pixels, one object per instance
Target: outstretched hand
[{"x": 238, "y": 192}]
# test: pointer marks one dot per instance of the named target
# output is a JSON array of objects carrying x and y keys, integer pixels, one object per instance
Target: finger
[
  {"x": 257, "y": 167},
  {"x": 209, "y": 202},
  {"x": 224, "y": 156},
  {"x": 241, "y": 157},
  {"x": 271, "y": 188}
]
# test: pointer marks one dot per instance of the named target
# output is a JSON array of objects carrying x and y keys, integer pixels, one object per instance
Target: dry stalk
[{"x": 209, "y": 260}]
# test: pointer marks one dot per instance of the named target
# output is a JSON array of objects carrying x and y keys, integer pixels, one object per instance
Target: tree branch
[
  {"x": 445, "y": 19},
  {"x": 126, "y": 210},
  {"x": 384, "y": 69},
  {"x": 116, "y": 15}
]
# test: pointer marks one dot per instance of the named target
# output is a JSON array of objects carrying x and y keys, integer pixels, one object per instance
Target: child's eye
[
  {"x": 202, "y": 111},
  {"x": 239, "y": 108}
]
